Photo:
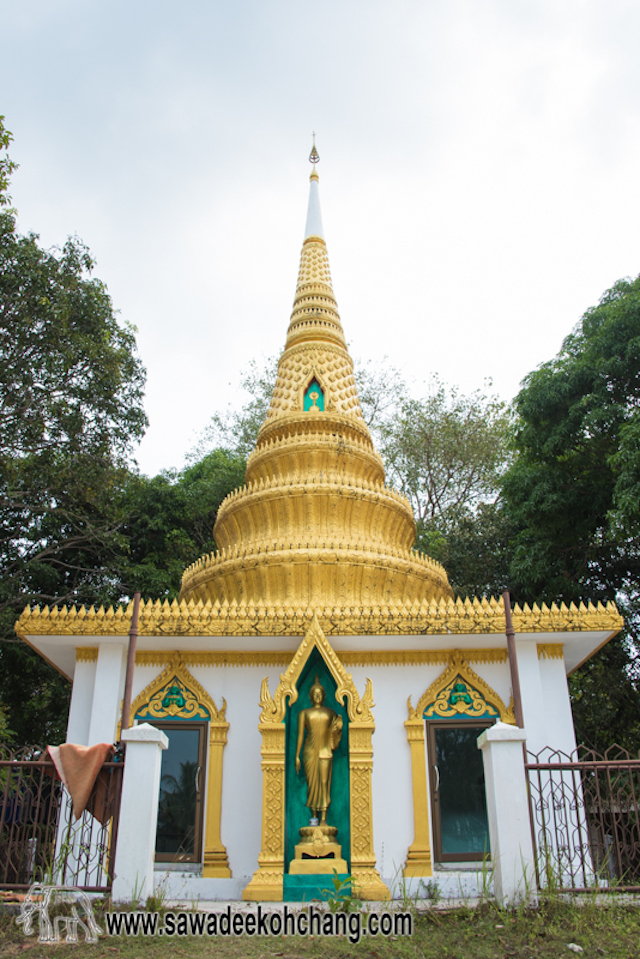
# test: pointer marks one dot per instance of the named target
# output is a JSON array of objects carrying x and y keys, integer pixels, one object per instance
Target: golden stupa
[{"x": 315, "y": 524}]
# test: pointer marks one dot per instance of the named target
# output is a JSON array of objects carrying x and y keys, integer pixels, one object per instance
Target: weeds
[{"x": 341, "y": 898}]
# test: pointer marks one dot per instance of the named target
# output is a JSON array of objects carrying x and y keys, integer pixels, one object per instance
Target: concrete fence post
[
  {"x": 514, "y": 875},
  {"x": 135, "y": 852}
]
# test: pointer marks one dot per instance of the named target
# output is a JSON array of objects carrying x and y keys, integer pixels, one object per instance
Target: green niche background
[
  {"x": 308, "y": 402},
  {"x": 296, "y": 813}
]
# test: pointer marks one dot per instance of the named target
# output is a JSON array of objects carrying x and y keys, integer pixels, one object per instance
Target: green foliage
[
  {"x": 170, "y": 519},
  {"x": 446, "y": 452},
  {"x": 235, "y": 431},
  {"x": 340, "y": 897},
  {"x": 6, "y": 734},
  {"x": 70, "y": 412},
  {"x": 475, "y": 551},
  {"x": 7, "y": 166},
  {"x": 572, "y": 496}
]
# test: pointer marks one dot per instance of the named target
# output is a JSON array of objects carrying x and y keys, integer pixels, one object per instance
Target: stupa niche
[{"x": 315, "y": 523}]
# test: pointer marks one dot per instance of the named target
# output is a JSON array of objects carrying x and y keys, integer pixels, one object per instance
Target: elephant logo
[{"x": 42, "y": 899}]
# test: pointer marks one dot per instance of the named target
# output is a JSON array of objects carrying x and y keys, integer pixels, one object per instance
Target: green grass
[{"x": 611, "y": 931}]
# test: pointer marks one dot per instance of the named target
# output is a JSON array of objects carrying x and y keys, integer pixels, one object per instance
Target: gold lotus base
[{"x": 318, "y": 853}]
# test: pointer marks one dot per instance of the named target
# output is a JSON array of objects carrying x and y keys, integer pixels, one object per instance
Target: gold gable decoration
[
  {"x": 459, "y": 699},
  {"x": 175, "y": 693},
  {"x": 173, "y": 701},
  {"x": 434, "y": 702},
  {"x": 267, "y": 881},
  {"x": 273, "y": 710}
]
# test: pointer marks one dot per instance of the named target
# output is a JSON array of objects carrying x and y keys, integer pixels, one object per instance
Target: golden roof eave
[{"x": 221, "y": 619}]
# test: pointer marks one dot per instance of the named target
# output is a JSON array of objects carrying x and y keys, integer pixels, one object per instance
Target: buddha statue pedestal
[{"x": 318, "y": 853}]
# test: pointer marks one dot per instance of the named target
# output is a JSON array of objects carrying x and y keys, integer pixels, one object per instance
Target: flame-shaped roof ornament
[{"x": 314, "y": 156}]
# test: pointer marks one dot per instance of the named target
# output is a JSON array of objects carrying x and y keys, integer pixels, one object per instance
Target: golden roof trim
[{"x": 228, "y": 619}]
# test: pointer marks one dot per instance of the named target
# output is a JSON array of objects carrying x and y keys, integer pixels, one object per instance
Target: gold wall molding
[
  {"x": 257, "y": 657},
  {"x": 550, "y": 651},
  {"x": 419, "y": 860},
  {"x": 148, "y": 705},
  {"x": 267, "y": 881},
  {"x": 86, "y": 654},
  {"x": 478, "y": 616},
  {"x": 236, "y": 658},
  {"x": 365, "y": 657},
  {"x": 418, "y": 657}
]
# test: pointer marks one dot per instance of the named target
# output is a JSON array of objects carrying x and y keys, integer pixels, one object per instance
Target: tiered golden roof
[{"x": 315, "y": 523}]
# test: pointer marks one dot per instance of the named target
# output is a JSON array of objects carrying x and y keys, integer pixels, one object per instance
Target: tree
[
  {"x": 571, "y": 494},
  {"x": 236, "y": 430},
  {"x": 447, "y": 452},
  {"x": 70, "y": 412},
  {"x": 170, "y": 519},
  {"x": 7, "y": 166}
]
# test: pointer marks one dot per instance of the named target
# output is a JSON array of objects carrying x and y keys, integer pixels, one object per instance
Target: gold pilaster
[
  {"x": 267, "y": 881},
  {"x": 418, "y": 861},
  {"x": 365, "y": 878},
  {"x": 216, "y": 861}
]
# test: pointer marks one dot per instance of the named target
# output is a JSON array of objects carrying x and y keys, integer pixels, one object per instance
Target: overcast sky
[{"x": 479, "y": 177}]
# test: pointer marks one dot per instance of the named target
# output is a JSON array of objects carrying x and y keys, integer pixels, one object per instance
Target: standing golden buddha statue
[
  {"x": 323, "y": 729},
  {"x": 320, "y": 731}
]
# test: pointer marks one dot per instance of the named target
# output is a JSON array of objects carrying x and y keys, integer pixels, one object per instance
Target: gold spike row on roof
[{"x": 230, "y": 619}]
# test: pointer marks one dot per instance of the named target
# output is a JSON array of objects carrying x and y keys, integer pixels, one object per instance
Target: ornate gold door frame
[
  {"x": 267, "y": 881},
  {"x": 436, "y": 702},
  {"x": 176, "y": 694}
]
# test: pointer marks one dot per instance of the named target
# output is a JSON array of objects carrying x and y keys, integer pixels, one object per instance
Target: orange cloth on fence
[{"x": 80, "y": 768}]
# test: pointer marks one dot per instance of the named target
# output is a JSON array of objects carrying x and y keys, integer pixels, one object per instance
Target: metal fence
[
  {"x": 585, "y": 819},
  {"x": 40, "y": 839}
]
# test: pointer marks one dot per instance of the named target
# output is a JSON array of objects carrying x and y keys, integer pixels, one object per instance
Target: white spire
[{"x": 314, "y": 216}]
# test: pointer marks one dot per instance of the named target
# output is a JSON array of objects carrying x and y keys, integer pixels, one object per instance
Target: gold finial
[{"x": 314, "y": 156}]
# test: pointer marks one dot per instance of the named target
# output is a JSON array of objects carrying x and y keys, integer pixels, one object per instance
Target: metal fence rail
[
  {"x": 40, "y": 839},
  {"x": 585, "y": 819}
]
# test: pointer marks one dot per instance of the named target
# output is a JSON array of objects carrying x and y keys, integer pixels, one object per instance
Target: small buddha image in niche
[
  {"x": 459, "y": 694},
  {"x": 314, "y": 398}
]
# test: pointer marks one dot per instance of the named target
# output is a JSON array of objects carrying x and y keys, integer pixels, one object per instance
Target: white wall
[
  {"x": 81, "y": 700},
  {"x": 108, "y": 688},
  {"x": 557, "y": 705},
  {"x": 241, "y": 824}
]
